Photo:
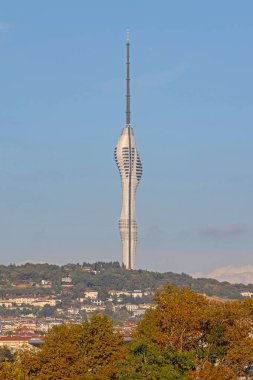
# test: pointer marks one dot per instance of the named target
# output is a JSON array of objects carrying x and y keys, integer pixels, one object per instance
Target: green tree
[
  {"x": 218, "y": 335},
  {"x": 47, "y": 311},
  {"x": 6, "y": 355},
  {"x": 147, "y": 361}
]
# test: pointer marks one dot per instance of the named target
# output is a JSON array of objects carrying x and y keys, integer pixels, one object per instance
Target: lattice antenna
[{"x": 128, "y": 111}]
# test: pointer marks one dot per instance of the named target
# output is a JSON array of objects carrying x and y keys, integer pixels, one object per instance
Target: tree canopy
[
  {"x": 217, "y": 335},
  {"x": 185, "y": 336}
]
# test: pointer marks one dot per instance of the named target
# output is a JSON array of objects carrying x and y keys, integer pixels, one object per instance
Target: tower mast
[
  {"x": 128, "y": 111},
  {"x": 128, "y": 124}
]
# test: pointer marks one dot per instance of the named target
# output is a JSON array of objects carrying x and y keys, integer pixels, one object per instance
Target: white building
[
  {"x": 119, "y": 293},
  {"x": 92, "y": 309},
  {"x": 131, "y": 306},
  {"x": 91, "y": 294},
  {"x": 66, "y": 280},
  {"x": 38, "y": 302},
  {"x": 97, "y": 302},
  {"x": 16, "y": 342},
  {"x": 247, "y": 294},
  {"x": 130, "y": 168},
  {"x": 139, "y": 312},
  {"x": 137, "y": 293},
  {"x": 5, "y": 303}
]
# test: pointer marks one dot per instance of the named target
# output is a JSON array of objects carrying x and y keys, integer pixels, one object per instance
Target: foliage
[
  {"x": 71, "y": 351},
  {"x": 217, "y": 335},
  {"x": 103, "y": 277},
  {"x": 47, "y": 311},
  {"x": 6, "y": 355},
  {"x": 147, "y": 361},
  {"x": 185, "y": 336},
  {"x": 10, "y": 371}
]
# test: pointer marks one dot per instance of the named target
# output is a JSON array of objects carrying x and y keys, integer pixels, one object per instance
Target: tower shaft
[{"x": 130, "y": 168}]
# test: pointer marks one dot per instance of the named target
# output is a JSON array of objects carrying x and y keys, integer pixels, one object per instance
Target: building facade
[{"x": 130, "y": 169}]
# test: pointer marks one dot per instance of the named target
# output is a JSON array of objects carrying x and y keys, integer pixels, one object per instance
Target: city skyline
[
  {"x": 61, "y": 107},
  {"x": 130, "y": 169}
]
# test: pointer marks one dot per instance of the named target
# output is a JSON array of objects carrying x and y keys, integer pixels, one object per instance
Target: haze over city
[{"x": 62, "y": 108}]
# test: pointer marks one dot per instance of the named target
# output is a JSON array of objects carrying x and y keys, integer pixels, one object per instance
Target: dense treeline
[
  {"x": 186, "y": 336},
  {"x": 104, "y": 276}
]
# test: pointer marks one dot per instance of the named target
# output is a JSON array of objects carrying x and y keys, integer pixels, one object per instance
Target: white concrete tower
[{"x": 130, "y": 169}]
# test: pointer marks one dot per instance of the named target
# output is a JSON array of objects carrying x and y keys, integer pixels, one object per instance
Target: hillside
[{"x": 74, "y": 279}]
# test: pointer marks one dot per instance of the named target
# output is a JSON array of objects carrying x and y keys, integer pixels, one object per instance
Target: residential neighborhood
[{"x": 36, "y": 297}]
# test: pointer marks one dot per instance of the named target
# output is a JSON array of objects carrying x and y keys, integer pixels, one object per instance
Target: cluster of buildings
[
  {"x": 24, "y": 332},
  {"x": 31, "y": 301},
  {"x": 19, "y": 342},
  {"x": 28, "y": 329}
]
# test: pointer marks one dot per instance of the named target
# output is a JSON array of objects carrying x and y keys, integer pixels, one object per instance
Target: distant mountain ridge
[{"x": 232, "y": 273}]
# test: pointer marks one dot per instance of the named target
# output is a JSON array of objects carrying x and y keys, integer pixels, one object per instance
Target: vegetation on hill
[
  {"x": 26, "y": 279},
  {"x": 186, "y": 336}
]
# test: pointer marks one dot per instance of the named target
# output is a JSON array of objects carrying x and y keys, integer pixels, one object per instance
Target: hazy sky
[{"x": 62, "y": 70}]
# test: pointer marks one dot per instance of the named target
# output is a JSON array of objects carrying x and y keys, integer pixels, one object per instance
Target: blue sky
[{"x": 62, "y": 70}]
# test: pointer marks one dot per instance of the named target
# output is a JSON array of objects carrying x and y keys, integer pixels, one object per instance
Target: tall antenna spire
[{"x": 128, "y": 112}]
